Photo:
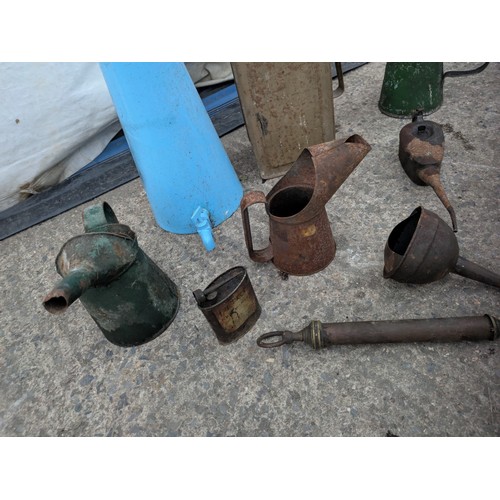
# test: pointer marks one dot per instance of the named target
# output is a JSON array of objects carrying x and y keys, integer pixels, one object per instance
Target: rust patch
[{"x": 423, "y": 151}]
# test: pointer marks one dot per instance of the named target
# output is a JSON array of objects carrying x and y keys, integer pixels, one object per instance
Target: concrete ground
[{"x": 61, "y": 377}]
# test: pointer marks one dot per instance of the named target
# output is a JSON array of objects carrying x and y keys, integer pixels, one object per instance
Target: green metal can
[
  {"x": 409, "y": 87},
  {"x": 129, "y": 297}
]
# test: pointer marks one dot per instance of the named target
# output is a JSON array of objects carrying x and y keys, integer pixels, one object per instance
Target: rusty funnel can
[
  {"x": 423, "y": 248},
  {"x": 300, "y": 237},
  {"x": 230, "y": 305}
]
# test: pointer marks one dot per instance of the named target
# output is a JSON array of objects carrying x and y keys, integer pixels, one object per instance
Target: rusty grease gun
[{"x": 319, "y": 335}]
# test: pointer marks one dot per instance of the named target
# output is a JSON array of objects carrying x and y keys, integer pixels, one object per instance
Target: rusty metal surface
[
  {"x": 229, "y": 304},
  {"x": 423, "y": 249},
  {"x": 420, "y": 249},
  {"x": 319, "y": 335},
  {"x": 287, "y": 107},
  {"x": 301, "y": 239},
  {"x": 421, "y": 151}
]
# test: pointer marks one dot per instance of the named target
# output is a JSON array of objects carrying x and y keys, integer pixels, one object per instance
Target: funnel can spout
[
  {"x": 434, "y": 181},
  {"x": 469, "y": 269},
  {"x": 67, "y": 291}
]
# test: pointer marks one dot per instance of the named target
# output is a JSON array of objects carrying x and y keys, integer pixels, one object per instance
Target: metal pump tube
[{"x": 319, "y": 335}]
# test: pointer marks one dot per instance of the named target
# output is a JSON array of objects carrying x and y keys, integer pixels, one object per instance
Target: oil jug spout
[
  {"x": 201, "y": 220},
  {"x": 322, "y": 169},
  {"x": 337, "y": 162},
  {"x": 67, "y": 291},
  {"x": 81, "y": 270}
]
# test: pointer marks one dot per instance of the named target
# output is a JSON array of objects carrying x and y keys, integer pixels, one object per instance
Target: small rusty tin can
[{"x": 229, "y": 304}]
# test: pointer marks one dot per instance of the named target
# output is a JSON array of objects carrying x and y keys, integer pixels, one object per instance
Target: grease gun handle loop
[
  {"x": 340, "y": 76},
  {"x": 281, "y": 335},
  {"x": 266, "y": 254}
]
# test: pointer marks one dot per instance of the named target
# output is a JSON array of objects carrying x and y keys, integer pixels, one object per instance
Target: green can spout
[{"x": 67, "y": 291}]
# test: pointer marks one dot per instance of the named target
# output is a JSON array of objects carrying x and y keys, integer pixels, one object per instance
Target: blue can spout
[{"x": 201, "y": 220}]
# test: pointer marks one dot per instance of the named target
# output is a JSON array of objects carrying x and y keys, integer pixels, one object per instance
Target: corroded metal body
[
  {"x": 319, "y": 335},
  {"x": 300, "y": 238},
  {"x": 129, "y": 297},
  {"x": 229, "y": 304},
  {"x": 287, "y": 106},
  {"x": 421, "y": 151},
  {"x": 423, "y": 249}
]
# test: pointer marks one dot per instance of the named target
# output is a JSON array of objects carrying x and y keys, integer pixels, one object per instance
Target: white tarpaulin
[
  {"x": 204, "y": 74},
  {"x": 54, "y": 119}
]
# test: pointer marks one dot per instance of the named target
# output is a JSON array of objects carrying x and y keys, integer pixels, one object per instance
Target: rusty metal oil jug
[
  {"x": 129, "y": 297},
  {"x": 229, "y": 304},
  {"x": 287, "y": 106},
  {"x": 300, "y": 238}
]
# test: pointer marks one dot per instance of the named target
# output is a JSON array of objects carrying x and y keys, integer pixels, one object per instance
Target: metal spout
[
  {"x": 430, "y": 176},
  {"x": 336, "y": 162},
  {"x": 469, "y": 269},
  {"x": 68, "y": 290},
  {"x": 322, "y": 168},
  {"x": 86, "y": 261}
]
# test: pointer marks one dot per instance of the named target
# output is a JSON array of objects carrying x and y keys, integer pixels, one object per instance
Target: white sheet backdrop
[{"x": 54, "y": 119}]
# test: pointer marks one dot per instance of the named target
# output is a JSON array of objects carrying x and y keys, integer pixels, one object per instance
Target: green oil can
[{"x": 129, "y": 297}]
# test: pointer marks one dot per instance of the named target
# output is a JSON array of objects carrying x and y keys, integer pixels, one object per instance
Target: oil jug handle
[
  {"x": 340, "y": 76},
  {"x": 474, "y": 71},
  {"x": 97, "y": 216},
  {"x": 266, "y": 254}
]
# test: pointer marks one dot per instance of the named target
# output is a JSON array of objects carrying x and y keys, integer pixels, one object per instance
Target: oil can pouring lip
[{"x": 322, "y": 168}]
